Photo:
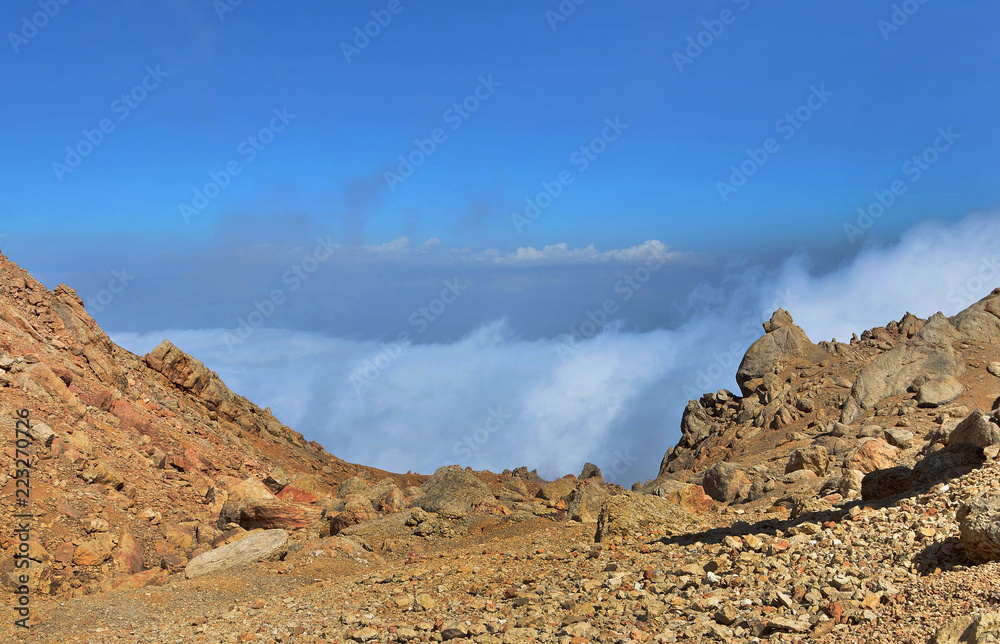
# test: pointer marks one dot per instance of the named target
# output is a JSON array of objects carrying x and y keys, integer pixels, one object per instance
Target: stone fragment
[{"x": 251, "y": 548}]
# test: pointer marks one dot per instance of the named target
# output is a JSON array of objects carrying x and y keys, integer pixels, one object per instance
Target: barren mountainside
[{"x": 847, "y": 492}]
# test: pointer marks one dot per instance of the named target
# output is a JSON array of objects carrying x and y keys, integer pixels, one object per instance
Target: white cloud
[
  {"x": 560, "y": 254},
  {"x": 614, "y": 399}
]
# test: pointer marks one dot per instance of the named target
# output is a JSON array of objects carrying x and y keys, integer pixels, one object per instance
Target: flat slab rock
[{"x": 249, "y": 549}]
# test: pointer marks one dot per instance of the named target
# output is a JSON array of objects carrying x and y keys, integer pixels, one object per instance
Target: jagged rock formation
[{"x": 815, "y": 419}]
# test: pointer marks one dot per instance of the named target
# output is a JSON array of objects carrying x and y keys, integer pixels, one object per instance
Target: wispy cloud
[{"x": 403, "y": 249}]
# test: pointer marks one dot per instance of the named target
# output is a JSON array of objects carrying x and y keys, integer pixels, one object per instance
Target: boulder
[
  {"x": 814, "y": 458},
  {"x": 253, "y": 547},
  {"x": 560, "y": 490},
  {"x": 725, "y": 482},
  {"x": 899, "y": 437},
  {"x": 249, "y": 488},
  {"x": 939, "y": 391},
  {"x": 885, "y": 483},
  {"x": 391, "y": 501},
  {"x": 969, "y": 629},
  {"x": 515, "y": 488},
  {"x": 851, "y": 482},
  {"x": 102, "y": 473},
  {"x": 978, "y": 429},
  {"x": 590, "y": 471},
  {"x": 189, "y": 374},
  {"x": 277, "y": 480},
  {"x": 93, "y": 552},
  {"x": 782, "y": 340},
  {"x": 310, "y": 483},
  {"x": 979, "y": 527},
  {"x": 452, "y": 492},
  {"x": 586, "y": 502},
  {"x": 696, "y": 425},
  {"x": 353, "y": 485},
  {"x": 42, "y": 383},
  {"x": 873, "y": 454},
  {"x": 128, "y": 556},
  {"x": 927, "y": 355},
  {"x": 632, "y": 515},
  {"x": 42, "y": 434},
  {"x": 690, "y": 497},
  {"x": 357, "y": 509},
  {"x": 953, "y": 461}
]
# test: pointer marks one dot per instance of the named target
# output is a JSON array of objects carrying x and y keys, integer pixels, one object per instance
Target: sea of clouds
[{"x": 498, "y": 397}]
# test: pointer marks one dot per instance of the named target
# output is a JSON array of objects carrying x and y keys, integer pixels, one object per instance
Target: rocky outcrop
[
  {"x": 982, "y": 319},
  {"x": 872, "y": 454},
  {"x": 191, "y": 375},
  {"x": 782, "y": 340},
  {"x": 586, "y": 501},
  {"x": 633, "y": 515},
  {"x": 269, "y": 514},
  {"x": 452, "y": 492},
  {"x": 559, "y": 490},
  {"x": 814, "y": 458}
]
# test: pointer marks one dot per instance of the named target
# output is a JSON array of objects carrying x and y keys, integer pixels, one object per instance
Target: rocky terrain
[{"x": 848, "y": 492}]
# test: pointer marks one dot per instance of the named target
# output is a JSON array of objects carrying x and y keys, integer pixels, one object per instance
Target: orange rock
[
  {"x": 873, "y": 454},
  {"x": 289, "y": 493},
  {"x": 92, "y": 553},
  {"x": 64, "y": 553}
]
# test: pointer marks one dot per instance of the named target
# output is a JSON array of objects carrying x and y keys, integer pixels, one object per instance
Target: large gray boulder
[
  {"x": 782, "y": 340},
  {"x": 939, "y": 391},
  {"x": 979, "y": 527},
  {"x": 452, "y": 492},
  {"x": 978, "y": 429},
  {"x": 251, "y": 548},
  {"x": 928, "y": 355}
]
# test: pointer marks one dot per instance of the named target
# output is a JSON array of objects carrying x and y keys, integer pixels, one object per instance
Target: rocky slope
[
  {"x": 849, "y": 492},
  {"x": 138, "y": 463}
]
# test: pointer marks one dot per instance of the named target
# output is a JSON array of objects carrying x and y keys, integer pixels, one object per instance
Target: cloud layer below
[{"x": 498, "y": 398}]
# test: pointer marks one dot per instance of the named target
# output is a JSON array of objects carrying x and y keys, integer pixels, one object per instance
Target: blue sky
[
  {"x": 556, "y": 89},
  {"x": 618, "y": 123}
]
